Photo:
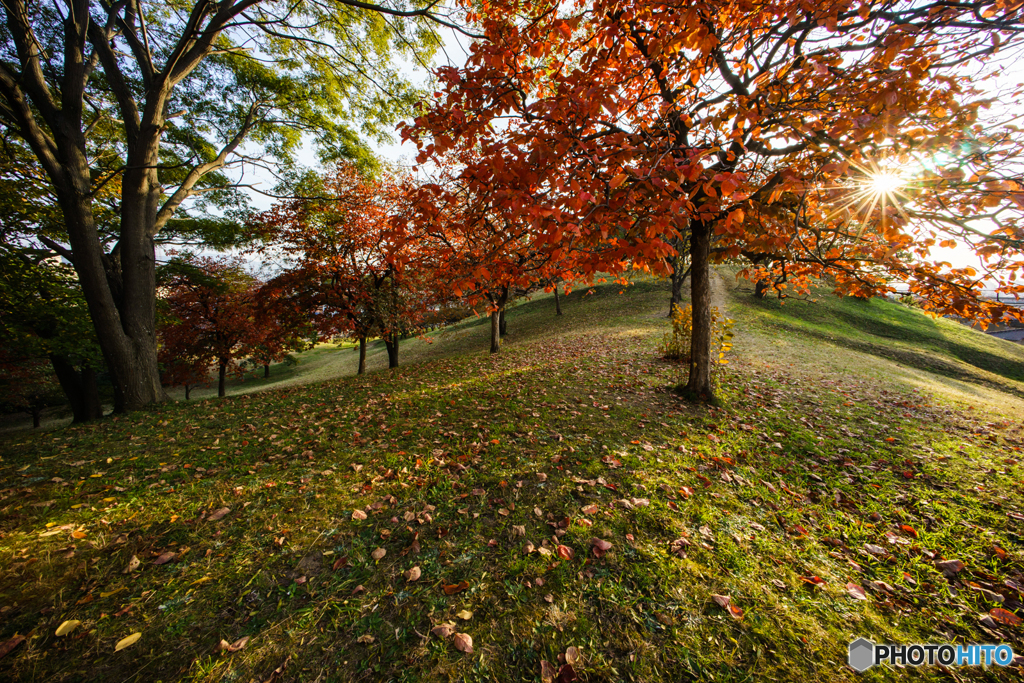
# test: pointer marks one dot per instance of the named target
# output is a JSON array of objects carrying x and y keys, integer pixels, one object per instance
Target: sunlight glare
[{"x": 885, "y": 183}]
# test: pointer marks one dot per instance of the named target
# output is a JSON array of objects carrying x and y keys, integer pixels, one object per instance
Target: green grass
[{"x": 824, "y": 442}]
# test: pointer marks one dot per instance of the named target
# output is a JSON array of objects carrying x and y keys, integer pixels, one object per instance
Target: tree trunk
[
  {"x": 221, "y": 377},
  {"x": 502, "y": 325},
  {"x": 698, "y": 387},
  {"x": 391, "y": 342},
  {"x": 123, "y": 312},
  {"x": 362, "y": 356},
  {"x": 760, "y": 289},
  {"x": 678, "y": 277},
  {"x": 37, "y": 417},
  {"x": 188, "y": 391},
  {"x": 558, "y": 305},
  {"x": 266, "y": 371},
  {"x": 80, "y": 389},
  {"x": 495, "y": 332}
]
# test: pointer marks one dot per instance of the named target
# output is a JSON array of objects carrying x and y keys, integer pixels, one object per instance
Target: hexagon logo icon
[{"x": 862, "y": 654}]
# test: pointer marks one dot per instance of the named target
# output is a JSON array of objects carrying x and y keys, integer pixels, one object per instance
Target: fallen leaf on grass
[
  {"x": 218, "y": 514},
  {"x": 443, "y": 630},
  {"x": 463, "y": 642},
  {"x": 453, "y": 588},
  {"x": 413, "y": 574},
  {"x": 165, "y": 557},
  {"x": 358, "y": 514},
  {"x": 566, "y": 674},
  {"x": 67, "y": 627},
  {"x": 465, "y": 615},
  {"x": 235, "y": 646},
  {"x": 1004, "y": 616},
  {"x": 572, "y": 655},
  {"x": 564, "y": 552},
  {"x": 601, "y": 546},
  {"x": 589, "y": 509},
  {"x": 10, "y": 644},
  {"x": 725, "y": 602},
  {"x": 547, "y": 672},
  {"x": 856, "y": 591},
  {"x": 813, "y": 580},
  {"x": 365, "y": 640},
  {"x": 950, "y": 567},
  {"x": 127, "y": 641},
  {"x": 378, "y": 553},
  {"x": 133, "y": 564}
]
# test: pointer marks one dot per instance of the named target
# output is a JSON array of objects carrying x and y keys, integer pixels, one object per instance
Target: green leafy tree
[{"x": 166, "y": 106}]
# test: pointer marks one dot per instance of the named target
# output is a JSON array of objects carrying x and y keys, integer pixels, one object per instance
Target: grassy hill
[{"x": 857, "y": 445}]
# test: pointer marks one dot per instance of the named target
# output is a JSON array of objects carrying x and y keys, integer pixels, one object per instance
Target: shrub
[{"x": 676, "y": 344}]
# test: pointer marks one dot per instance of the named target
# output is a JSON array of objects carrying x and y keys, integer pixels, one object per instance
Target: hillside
[{"x": 557, "y": 495}]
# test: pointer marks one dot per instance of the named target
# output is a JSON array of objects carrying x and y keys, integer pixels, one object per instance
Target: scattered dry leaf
[
  {"x": 358, "y": 514},
  {"x": 127, "y": 642},
  {"x": 165, "y": 557},
  {"x": 378, "y": 553},
  {"x": 365, "y": 640},
  {"x": 463, "y": 642},
  {"x": 218, "y": 514},
  {"x": 67, "y": 627},
  {"x": 465, "y": 615},
  {"x": 413, "y": 574}
]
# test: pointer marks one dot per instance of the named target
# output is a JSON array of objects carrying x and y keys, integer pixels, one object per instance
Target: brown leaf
[
  {"x": 950, "y": 567},
  {"x": 358, "y": 514},
  {"x": 590, "y": 509},
  {"x": 463, "y": 642},
  {"x": 133, "y": 564},
  {"x": 572, "y": 655},
  {"x": 856, "y": 591},
  {"x": 365, "y": 640},
  {"x": 564, "y": 552},
  {"x": 725, "y": 602},
  {"x": 413, "y": 574},
  {"x": 452, "y": 589},
  {"x": 378, "y": 553},
  {"x": 600, "y": 546},
  {"x": 1004, "y": 616},
  {"x": 238, "y": 644},
  {"x": 218, "y": 515},
  {"x": 165, "y": 557},
  {"x": 547, "y": 672},
  {"x": 10, "y": 644},
  {"x": 566, "y": 674},
  {"x": 443, "y": 630}
]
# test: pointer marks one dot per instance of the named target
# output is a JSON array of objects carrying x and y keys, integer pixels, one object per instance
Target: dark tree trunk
[
  {"x": 502, "y": 324},
  {"x": 362, "y": 356},
  {"x": 266, "y": 370},
  {"x": 188, "y": 391},
  {"x": 699, "y": 387},
  {"x": 558, "y": 304},
  {"x": 37, "y": 417},
  {"x": 80, "y": 389},
  {"x": 495, "y": 332},
  {"x": 221, "y": 377},
  {"x": 678, "y": 278},
  {"x": 391, "y": 342},
  {"x": 761, "y": 289}
]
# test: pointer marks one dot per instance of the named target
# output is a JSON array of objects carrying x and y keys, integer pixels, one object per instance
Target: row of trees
[{"x": 578, "y": 137}]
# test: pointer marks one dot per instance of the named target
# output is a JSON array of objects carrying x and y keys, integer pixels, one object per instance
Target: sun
[{"x": 885, "y": 183}]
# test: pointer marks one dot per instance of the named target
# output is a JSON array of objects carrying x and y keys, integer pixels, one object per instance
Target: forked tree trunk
[
  {"x": 80, "y": 389},
  {"x": 558, "y": 305},
  {"x": 221, "y": 377},
  {"x": 362, "y": 356},
  {"x": 698, "y": 386},
  {"x": 391, "y": 342}
]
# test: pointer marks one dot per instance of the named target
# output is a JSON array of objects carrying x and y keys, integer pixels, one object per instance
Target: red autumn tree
[
  {"x": 210, "y": 319},
  {"x": 345, "y": 264},
  {"x": 746, "y": 129},
  {"x": 480, "y": 246}
]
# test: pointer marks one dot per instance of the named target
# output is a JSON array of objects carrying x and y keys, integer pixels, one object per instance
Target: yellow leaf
[
  {"x": 67, "y": 627},
  {"x": 203, "y": 580},
  {"x": 78, "y": 533},
  {"x": 127, "y": 642}
]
